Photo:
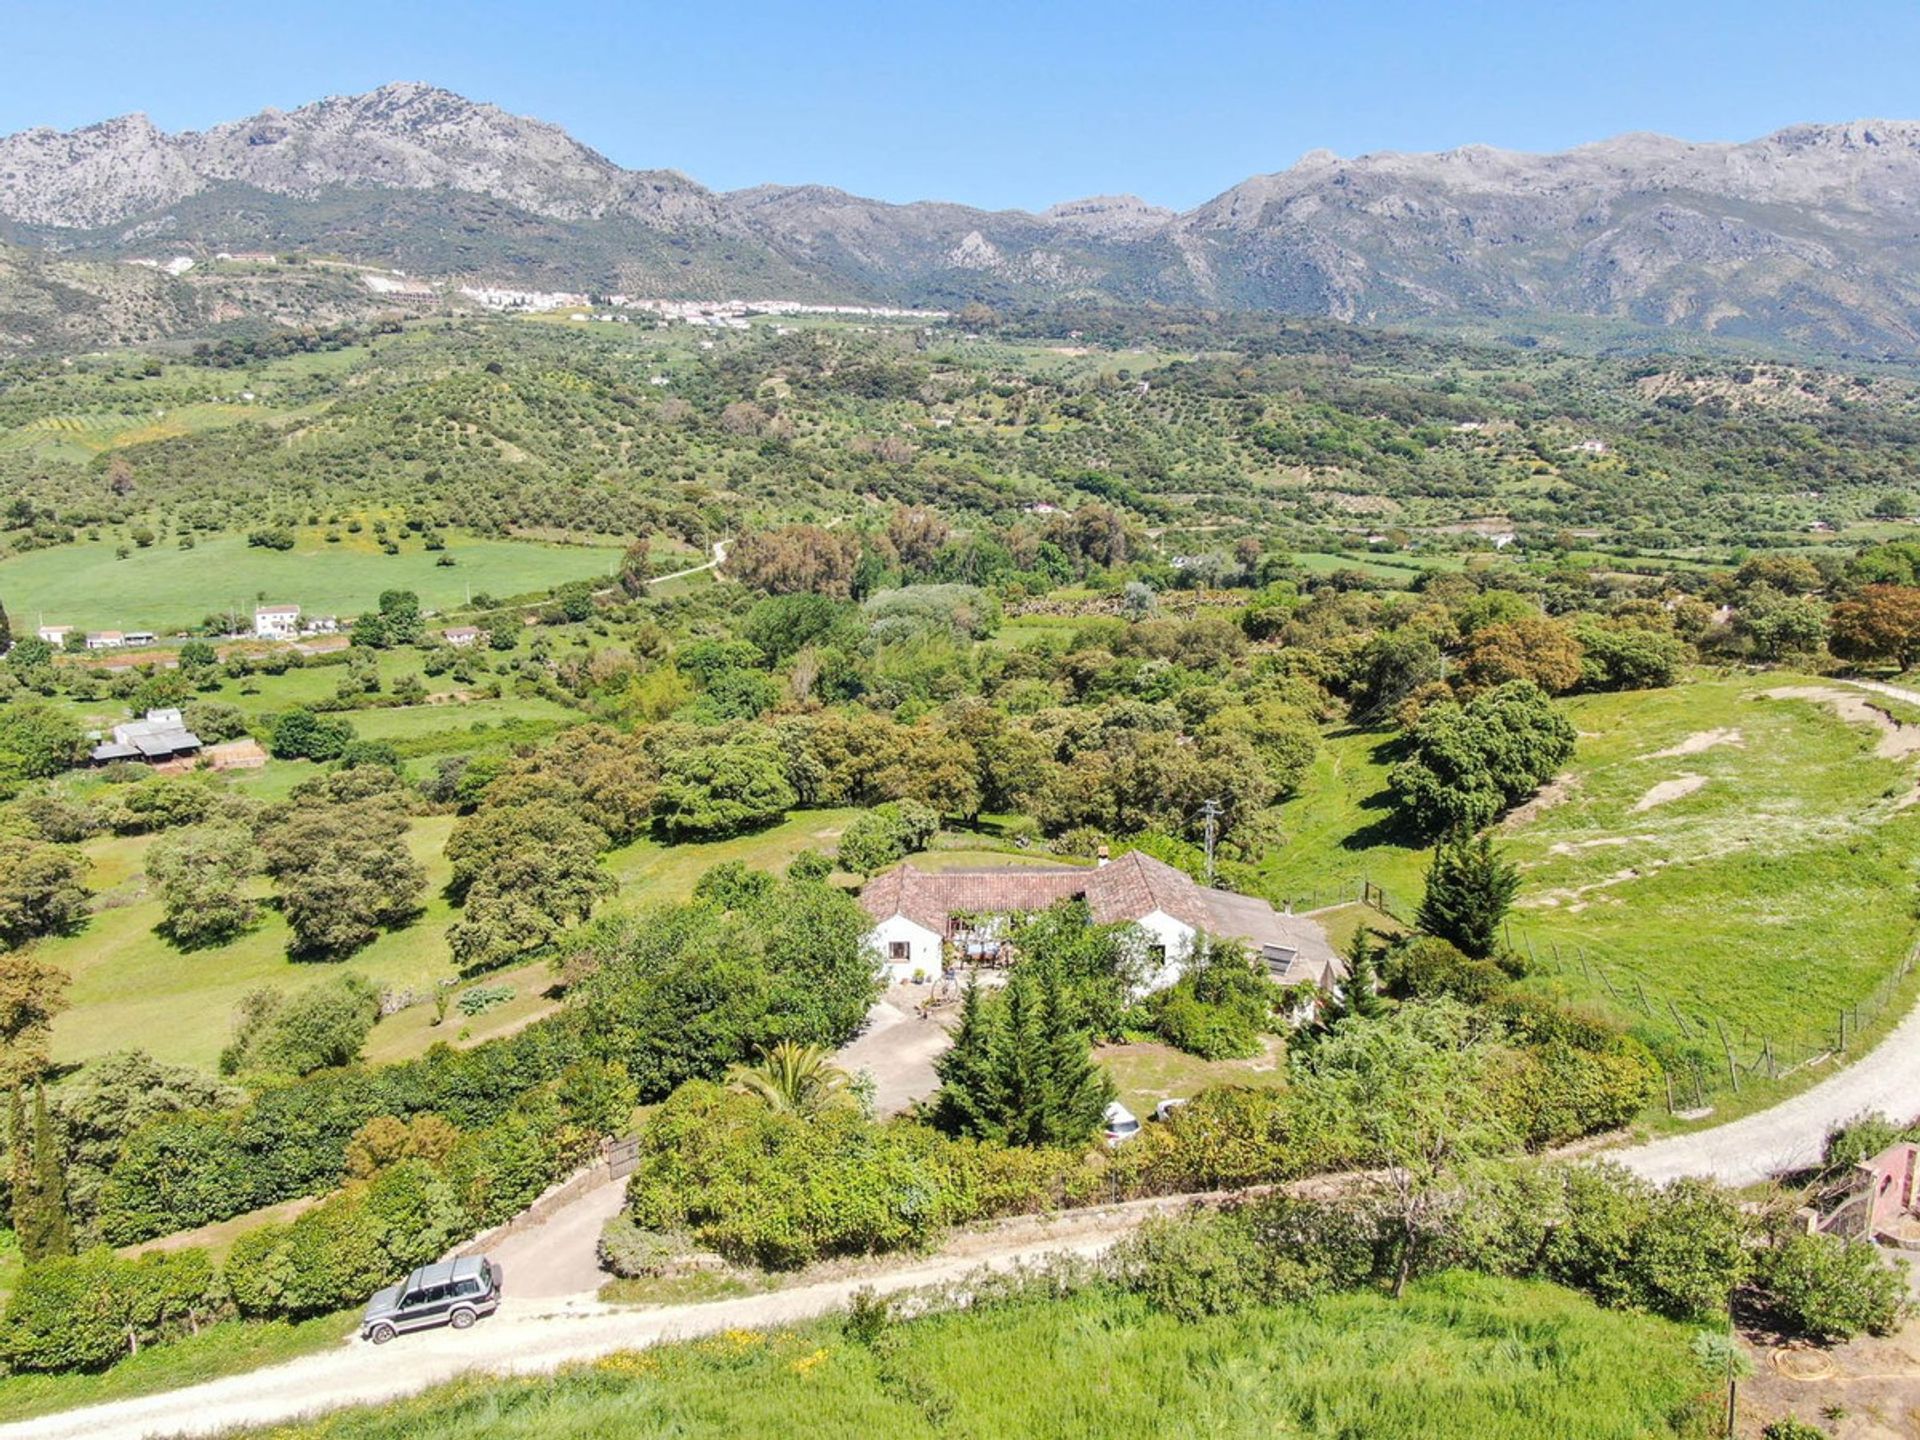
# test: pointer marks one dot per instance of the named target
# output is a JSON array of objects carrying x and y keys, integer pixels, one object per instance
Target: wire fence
[
  {"x": 1702, "y": 1053},
  {"x": 1358, "y": 890}
]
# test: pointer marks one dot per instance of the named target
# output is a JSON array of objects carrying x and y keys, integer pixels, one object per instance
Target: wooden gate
[{"x": 623, "y": 1155}]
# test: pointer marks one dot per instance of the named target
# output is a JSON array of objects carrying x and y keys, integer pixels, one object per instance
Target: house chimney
[{"x": 1101, "y": 856}]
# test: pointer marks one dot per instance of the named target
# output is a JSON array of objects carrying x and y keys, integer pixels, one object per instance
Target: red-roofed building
[{"x": 924, "y": 920}]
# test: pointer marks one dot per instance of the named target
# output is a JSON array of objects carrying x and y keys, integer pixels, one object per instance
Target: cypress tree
[
  {"x": 969, "y": 1101},
  {"x": 46, "y": 1232},
  {"x": 1018, "y": 1071},
  {"x": 1023, "y": 1070},
  {"x": 1363, "y": 979},
  {"x": 51, "y": 1162},
  {"x": 1470, "y": 887},
  {"x": 19, "y": 1163},
  {"x": 1078, "y": 1091},
  {"x": 6, "y": 631}
]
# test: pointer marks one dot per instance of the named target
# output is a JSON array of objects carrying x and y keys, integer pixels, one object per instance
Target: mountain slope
[{"x": 1810, "y": 235}]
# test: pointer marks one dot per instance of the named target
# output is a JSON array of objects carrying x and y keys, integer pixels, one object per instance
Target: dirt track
[{"x": 531, "y": 1336}]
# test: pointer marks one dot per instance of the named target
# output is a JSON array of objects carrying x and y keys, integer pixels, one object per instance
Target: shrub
[
  {"x": 316, "y": 1028},
  {"x": 1788, "y": 1428},
  {"x": 1217, "y": 1008},
  {"x": 1827, "y": 1289},
  {"x": 1678, "y": 1252},
  {"x": 482, "y": 998},
  {"x": 1427, "y": 968},
  {"x": 1860, "y": 1139},
  {"x": 370, "y": 1234},
  {"x": 783, "y": 1191},
  {"x": 183, "y": 1170},
  {"x": 633, "y": 1254},
  {"x": 86, "y": 1311},
  {"x": 1274, "y": 1252},
  {"x": 877, "y": 838},
  {"x": 809, "y": 865}
]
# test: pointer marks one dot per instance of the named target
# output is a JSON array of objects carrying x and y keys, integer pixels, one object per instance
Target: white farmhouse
[
  {"x": 55, "y": 635},
  {"x": 276, "y": 622},
  {"x": 922, "y": 918}
]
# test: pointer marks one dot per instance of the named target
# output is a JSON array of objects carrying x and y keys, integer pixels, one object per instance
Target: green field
[
  {"x": 1776, "y": 889},
  {"x": 133, "y": 990},
  {"x": 1460, "y": 1358},
  {"x": 165, "y": 588}
]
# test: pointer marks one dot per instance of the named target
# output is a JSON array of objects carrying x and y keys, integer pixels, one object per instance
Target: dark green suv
[{"x": 454, "y": 1292}]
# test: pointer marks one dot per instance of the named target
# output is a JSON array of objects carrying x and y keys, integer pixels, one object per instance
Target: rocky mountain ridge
[{"x": 1810, "y": 235}]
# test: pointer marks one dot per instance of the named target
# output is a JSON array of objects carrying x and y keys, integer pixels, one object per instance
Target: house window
[
  {"x": 1158, "y": 955},
  {"x": 899, "y": 950}
]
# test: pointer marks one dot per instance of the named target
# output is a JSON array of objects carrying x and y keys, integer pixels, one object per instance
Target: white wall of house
[
  {"x": 1173, "y": 936},
  {"x": 905, "y": 948}
]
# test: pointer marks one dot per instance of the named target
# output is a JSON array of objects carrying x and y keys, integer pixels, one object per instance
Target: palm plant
[{"x": 794, "y": 1079}]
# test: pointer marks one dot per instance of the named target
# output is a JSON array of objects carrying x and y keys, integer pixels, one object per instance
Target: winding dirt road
[{"x": 532, "y": 1336}]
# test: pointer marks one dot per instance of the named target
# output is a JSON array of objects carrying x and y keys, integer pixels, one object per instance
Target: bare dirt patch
[
  {"x": 1559, "y": 789},
  {"x": 1575, "y": 897},
  {"x": 1604, "y": 842},
  {"x": 1667, "y": 791},
  {"x": 1898, "y": 740},
  {"x": 1699, "y": 741},
  {"x": 1862, "y": 1390}
]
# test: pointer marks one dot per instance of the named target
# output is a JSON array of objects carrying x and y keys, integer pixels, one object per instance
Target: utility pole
[{"x": 1210, "y": 812}]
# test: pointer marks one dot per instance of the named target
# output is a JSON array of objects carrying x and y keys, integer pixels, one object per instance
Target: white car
[{"x": 1121, "y": 1124}]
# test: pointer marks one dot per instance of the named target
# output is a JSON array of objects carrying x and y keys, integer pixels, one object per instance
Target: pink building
[{"x": 1890, "y": 1180}]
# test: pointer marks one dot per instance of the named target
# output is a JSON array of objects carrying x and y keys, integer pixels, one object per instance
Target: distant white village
[
  {"x": 713, "y": 314},
  {"x": 613, "y": 309}
]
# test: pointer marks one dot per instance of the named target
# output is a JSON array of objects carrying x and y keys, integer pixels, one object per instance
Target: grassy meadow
[
  {"x": 1460, "y": 1358},
  {"x": 164, "y": 588},
  {"x": 133, "y": 989},
  {"x": 1744, "y": 860}
]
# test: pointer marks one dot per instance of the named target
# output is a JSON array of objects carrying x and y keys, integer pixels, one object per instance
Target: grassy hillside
[
  {"x": 166, "y": 588},
  {"x": 1744, "y": 860},
  {"x": 1461, "y": 1358},
  {"x": 133, "y": 989}
]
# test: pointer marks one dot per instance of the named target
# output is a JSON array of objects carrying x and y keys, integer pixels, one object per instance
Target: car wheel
[
  {"x": 461, "y": 1319},
  {"x": 380, "y": 1334}
]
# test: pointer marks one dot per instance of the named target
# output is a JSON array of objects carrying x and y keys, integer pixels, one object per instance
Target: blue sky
[{"x": 991, "y": 103}]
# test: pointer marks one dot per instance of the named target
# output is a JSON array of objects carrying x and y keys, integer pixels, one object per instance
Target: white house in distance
[
  {"x": 919, "y": 916},
  {"x": 105, "y": 639},
  {"x": 276, "y": 622},
  {"x": 163, "y": 735},
  {"x": 460, "y": 635},
  {"x": 55, "y": 635}
]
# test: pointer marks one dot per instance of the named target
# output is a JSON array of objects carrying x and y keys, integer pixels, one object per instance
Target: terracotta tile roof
[
  {"x": 929, "y": 899},
  {"x": 1125, "y": 890},
  {"x": 1136, "y": 885}
]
